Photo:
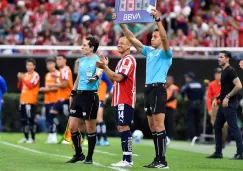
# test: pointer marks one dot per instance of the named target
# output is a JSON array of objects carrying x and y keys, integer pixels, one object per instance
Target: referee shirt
[
  {"x": 158, "y": 63},
  {"x": 86, "y": 70},
  {"x": 227, "y": 85}
]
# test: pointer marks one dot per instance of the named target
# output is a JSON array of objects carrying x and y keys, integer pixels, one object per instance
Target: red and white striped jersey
[{"x": 124, "y": 92}]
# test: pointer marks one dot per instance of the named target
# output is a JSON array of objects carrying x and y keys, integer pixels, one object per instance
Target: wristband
[
  {"x": 228, "y": 96},
  {"x": 73, "y": 92},
  {"x": 157, "y": 20},
  {"x": 96, "y": 77}
]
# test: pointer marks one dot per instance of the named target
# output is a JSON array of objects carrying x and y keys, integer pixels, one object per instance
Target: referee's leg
[
  {"x": 158, "y": 115},
  {"x": 74, "y": 124},
  {"x": 90, "y": 108}
]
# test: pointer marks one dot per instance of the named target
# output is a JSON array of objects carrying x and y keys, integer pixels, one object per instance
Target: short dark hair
[
  {"x": 93, "y": 42},
  {"x": 226, "y": 53},
  {"x": 156, "y": 30},
  {"x": 64, "y": 56},
  {"x": 50, "y": 60},
  {"x": 31, "y": 60}
]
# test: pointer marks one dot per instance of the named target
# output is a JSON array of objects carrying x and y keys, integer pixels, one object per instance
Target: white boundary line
[
  {"x": 108, "y": 153},
  {"x": 103, "y": 152},
  {"x": 56, "y": 155}
]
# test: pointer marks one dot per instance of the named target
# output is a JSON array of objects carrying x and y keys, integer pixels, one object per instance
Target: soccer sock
[
  {"x": 52, "y": 128},
  {"x": 32, "y": 127},
  {"x": 126, "y": 138},
  {"x": 76, "y": 137},
  {"x": 154, "y": 136},
  {"x": 98, "y": 131},
  {"x": 26, "y": 131},
  {"x": 161, "y": 144},
  {"x": 53, "y": 125},
  {"x": 25, "y": 126},
  {"x": 122, "y": 146},
  {"x": 103, "y": 130},
  {"x": 91, "y": 145},
  {"x": 33, "y": 131}
]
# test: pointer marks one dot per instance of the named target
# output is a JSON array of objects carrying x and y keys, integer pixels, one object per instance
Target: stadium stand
[{"x": 210, "y": 23}]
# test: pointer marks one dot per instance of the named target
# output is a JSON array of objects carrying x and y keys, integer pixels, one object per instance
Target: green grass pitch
[{"x": 44, "y": 157}]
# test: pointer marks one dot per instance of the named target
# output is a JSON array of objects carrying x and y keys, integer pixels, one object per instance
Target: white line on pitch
[
  {"x": 56, "y": 155},
  {"x": 108, "y": 153},
  {"x": 103, "y": 152}
]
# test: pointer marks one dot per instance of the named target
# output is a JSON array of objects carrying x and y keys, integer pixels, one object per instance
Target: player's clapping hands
[
  {"x": 42, "y": 89},
  {"x": 51, "y": 85},
  {"x": 20, "y": 75},
  {"x": 103, "y": 62}
]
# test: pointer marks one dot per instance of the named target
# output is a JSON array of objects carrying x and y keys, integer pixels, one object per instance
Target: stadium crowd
[{"x": 210, "y": 23}]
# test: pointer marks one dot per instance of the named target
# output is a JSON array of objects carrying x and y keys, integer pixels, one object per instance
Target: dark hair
[
  {"x": 31, "y": 60},
  {"x": 226, "y": 53},
  {"x": 50, "y": 60},
  {"x": 61, "y": 55},
  {"x": 156, "y": 30},
  {"x": 93, "y": 42}
]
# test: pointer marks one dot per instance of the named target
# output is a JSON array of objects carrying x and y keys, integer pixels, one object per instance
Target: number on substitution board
[{"x": 133, "y": 5}]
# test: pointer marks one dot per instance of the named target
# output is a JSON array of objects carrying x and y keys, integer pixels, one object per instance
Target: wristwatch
[
  {"x": 157, "y": 20},
  {"x": 228, "y": 96}
]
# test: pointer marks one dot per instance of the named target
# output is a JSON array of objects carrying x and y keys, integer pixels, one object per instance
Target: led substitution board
[{"x": 134, "y": 11}]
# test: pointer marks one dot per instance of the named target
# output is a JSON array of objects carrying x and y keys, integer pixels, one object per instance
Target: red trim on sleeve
[
  {"x": 20, "y": 84},
  {"x": 28, "y": 84}
]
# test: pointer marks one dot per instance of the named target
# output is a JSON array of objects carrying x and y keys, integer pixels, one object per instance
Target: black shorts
[
  {"x": 27, "y": 111},
  {"x": 85, "y": 105},
  {"x": 62, "y": 107},
  {"x": 124, "y": 114},
  {"x": 154, "y": 99}
]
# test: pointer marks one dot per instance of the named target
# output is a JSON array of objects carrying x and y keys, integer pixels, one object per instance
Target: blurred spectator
[
  {"x": 192, "y": 92},
  {"x": 41, "y": 123},
  {"x": 171, "y": 105},
  {"x": 192, "y": 23},
  {"x": 180, "y": 39}
]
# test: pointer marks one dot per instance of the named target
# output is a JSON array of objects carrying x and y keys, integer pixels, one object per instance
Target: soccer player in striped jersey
[
  {"x": 124, "y": 96},
  {"x": 28, "y": 83},
  {"x": 51, "y": 97},
  {"x": 158, "y": 62}
]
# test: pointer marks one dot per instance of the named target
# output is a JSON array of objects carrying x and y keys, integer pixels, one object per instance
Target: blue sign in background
[{"x": 133, "y": 11}]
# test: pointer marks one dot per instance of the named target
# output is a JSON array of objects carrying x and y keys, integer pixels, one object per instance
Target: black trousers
[
  {"x": 170, "y": 122},
  {"x": 229, "y": 115},
  {"x": 193, "y": 120}
]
